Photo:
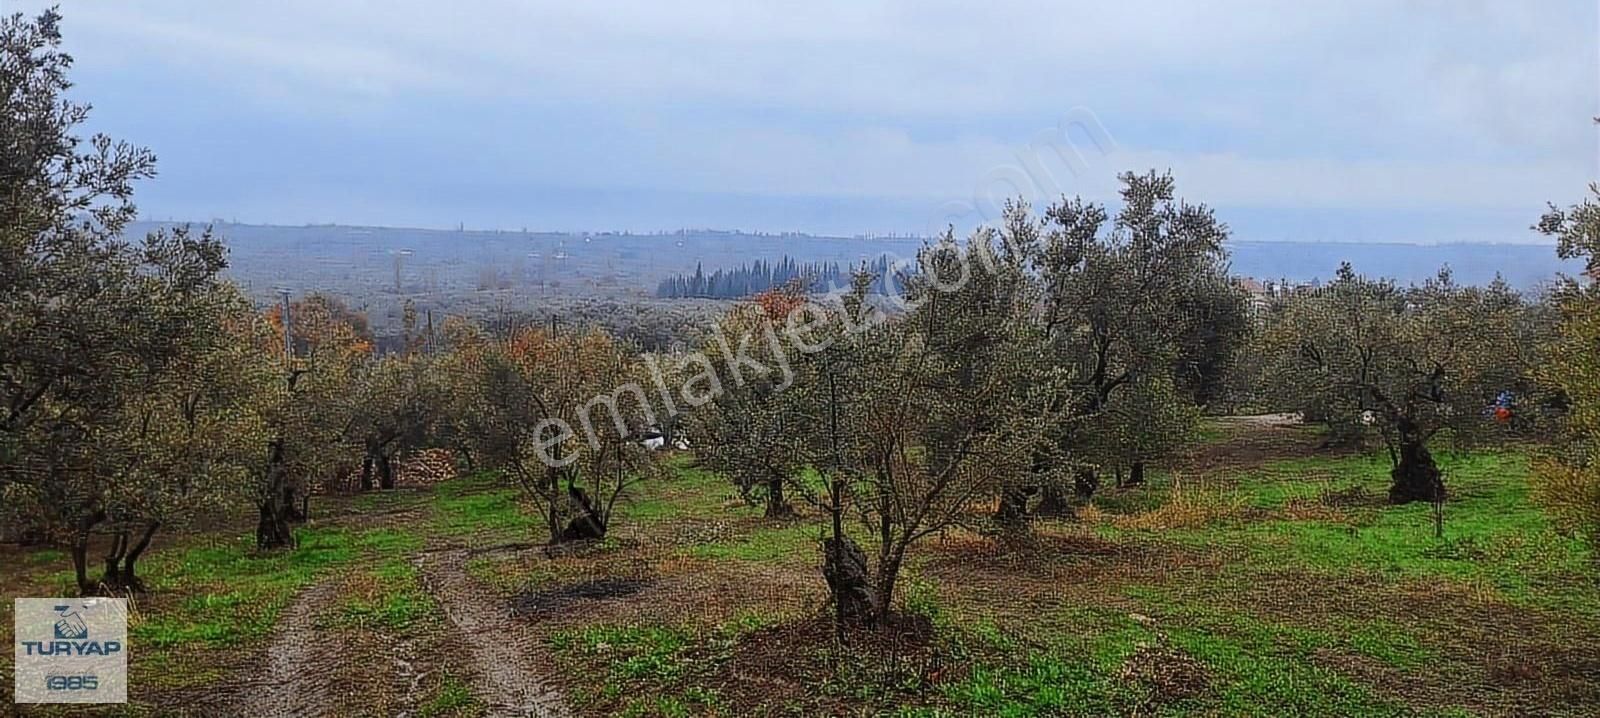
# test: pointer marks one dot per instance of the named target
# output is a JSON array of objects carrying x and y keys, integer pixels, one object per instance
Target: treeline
[{"x": 761, "y": 275}]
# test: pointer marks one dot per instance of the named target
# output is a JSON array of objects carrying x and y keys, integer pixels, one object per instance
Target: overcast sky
[{"x": 1429, "y": 120}]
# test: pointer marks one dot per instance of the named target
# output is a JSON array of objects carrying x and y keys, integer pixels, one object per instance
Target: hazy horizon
[{"x": 1327, "y": 231}]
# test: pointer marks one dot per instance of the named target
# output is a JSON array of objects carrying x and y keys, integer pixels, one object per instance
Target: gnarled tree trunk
[
  {"x": 80, "y": 563},
  {"x": 849, "y": 584},
  {"x": 385, "y": 471},
  {"x": 272, "y": 530},
  {"x": 299, "y": 507},
  {"x": 1136, "y": 474},
  {"x": 1416, "y": 477},
  {"x": 1012, "y": 515},
  {"x": 588, "y": 524},
  {"x": 889, "y": 563},
  {"x": 1085, "y": 483},
  {"x": 129, "y": 578},
  {"x": 1052, "y": 502},
  {"x": 112, "y": 578},
  {"x": 777, "y": 505},
  {"x": 121, "y": 557},
  {"x": 80, "y": 550}
]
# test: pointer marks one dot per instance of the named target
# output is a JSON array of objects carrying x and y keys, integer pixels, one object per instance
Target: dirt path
[
  {"x": 504, "y": 657},
  {"x": 1247, "y": 442},
  {"x": 298, "y": 679}
]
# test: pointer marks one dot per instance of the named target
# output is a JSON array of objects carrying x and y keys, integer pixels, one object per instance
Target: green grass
[
  {"x": 481, "y": 506},
  {"x": 235, "y": 593},
  {"x": 393, "y": 601},
  {"x": 689, "y": 490},
  {"x": 390, "y": 542},
  {"x": 1042, "y": 686},
  {"x": 1065, "y": 656},
  {"x": 452, "y": 698},
  {"x": 636, "y": 652},
  {"x": 652, "y": 669},
  {"x": 1263, "y": 674},
  {"x": 1493, "y": 532},
  {"x": 1256, "y": 670},
  {"x": 47, "y": 556},
  {"x": 1388, "y": 642},
  {"x": 638, "y": 660},
  {"x": 776, "y": 543},
  {"x": 1265, "y": 665}
]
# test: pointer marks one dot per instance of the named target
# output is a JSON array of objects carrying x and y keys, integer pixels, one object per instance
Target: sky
[{"x": 1405, "y": 120}]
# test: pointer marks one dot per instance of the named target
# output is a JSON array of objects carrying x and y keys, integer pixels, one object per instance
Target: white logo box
[{"x": 71, "y": 650}]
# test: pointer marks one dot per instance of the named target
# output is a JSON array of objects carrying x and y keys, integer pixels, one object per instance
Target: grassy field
[{"x": 1257, "y": 576}]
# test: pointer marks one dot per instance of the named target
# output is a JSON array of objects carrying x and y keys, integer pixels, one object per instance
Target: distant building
[{"x": 1262, "y": 293}]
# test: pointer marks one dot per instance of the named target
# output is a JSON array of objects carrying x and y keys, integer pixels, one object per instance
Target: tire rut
[
  {"x": 510, "y": 679},
  {"x": 296, "y": 684}
]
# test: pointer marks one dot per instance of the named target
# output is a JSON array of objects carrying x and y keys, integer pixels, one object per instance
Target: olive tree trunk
[
  {"x": 385, "y": 471},
  {"x": 777, "y": 504},
  {"x": 849, "y": 584},
  {"x": 272, "y": 530},
  {"x": 1012, "y": 514},
  {"x": 1415, "y": 476}
]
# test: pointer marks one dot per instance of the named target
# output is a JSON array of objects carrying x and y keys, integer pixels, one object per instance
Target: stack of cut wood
[{"x": 425, "y": 467}]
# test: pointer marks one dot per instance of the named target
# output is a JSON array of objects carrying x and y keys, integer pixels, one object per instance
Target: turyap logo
[{"x": 71, "y": 650}]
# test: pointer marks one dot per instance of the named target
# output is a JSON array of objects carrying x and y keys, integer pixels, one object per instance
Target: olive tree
[
  {"x": 120, "y": 406},
  {"x": 562, "y": 416},
  {"x": 1151, "y": 420},
  {"x": 751, "y": 428},
  {"x": 307, "y": 402},
  {"x": 67, "y": 286},
  {"x": 1126, "y": 300},
  {"x": 1569, "y": 483},
  {"x": 394, "y": 403},
  {"x": 921, "y": 416},
  {"x": 1406, "y": 364},
  {"x": 185, "y": 442}
]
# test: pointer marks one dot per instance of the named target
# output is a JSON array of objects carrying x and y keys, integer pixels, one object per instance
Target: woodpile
[{"x": 425, "y": 468}]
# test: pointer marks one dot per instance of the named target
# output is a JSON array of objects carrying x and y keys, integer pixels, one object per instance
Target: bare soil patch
[
  {"x": 1056, "y": 563},
  {"x": 778, "y": 666},
  {"x": 1166, "y": 671},
  {"x": 1251, "y": 441},
  {"x": 535, "y": 604}
]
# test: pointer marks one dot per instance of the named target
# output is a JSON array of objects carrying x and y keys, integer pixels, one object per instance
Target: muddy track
[
  {"x": 504, "y": 657},
  {"x": 1249, "y": 442},
  {"x": 298, "y": 679}
]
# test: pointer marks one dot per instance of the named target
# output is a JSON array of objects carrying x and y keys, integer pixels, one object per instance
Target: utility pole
[
  {"x": 399, "y": 266},
  {"x": 288, "y": 342}
]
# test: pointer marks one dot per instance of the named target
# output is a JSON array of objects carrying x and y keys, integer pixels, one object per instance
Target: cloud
[{"x": 1360, "y": 104}]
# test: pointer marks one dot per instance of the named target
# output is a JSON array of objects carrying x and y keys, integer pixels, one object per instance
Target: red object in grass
[{"x": 1502, "y": 414}]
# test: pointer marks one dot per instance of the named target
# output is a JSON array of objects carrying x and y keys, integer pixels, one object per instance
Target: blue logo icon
[{"x": 70, "y": 625}]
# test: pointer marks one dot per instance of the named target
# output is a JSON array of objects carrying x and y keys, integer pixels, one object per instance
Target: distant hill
[
  {"x": 374, "y": 262},
  {"x": 1525, "y": 266}
]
